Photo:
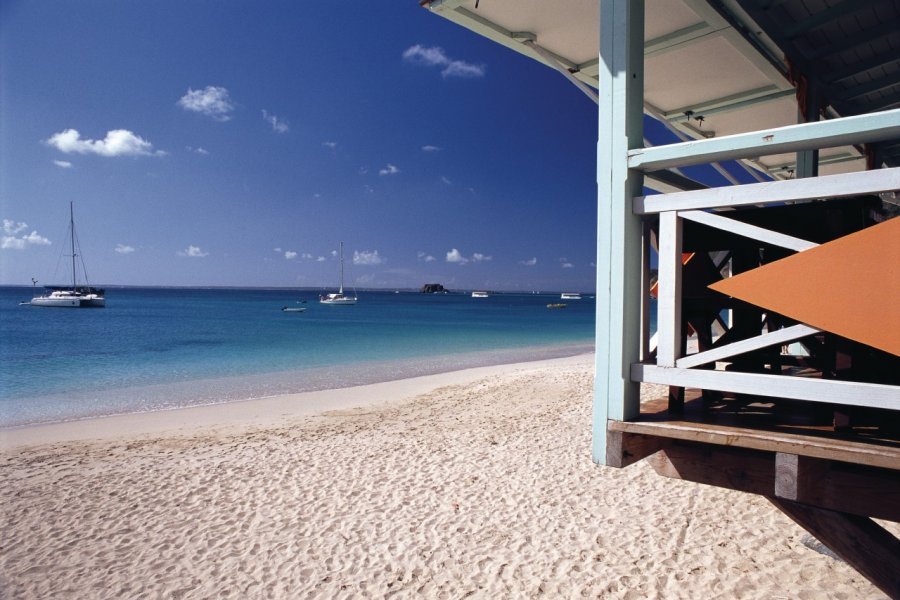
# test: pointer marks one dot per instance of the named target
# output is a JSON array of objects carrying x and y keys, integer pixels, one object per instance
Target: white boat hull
[
  {"x": 336, "y": 299},
  {"x": 69, "y": 300}
]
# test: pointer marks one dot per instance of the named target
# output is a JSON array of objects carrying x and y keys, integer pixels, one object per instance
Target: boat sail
[
  {"x": 339, "y": 298},
  {"x": 76, "y": 296}
]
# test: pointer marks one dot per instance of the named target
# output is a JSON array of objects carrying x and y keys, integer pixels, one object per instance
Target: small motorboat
[
  {"x": 292, "y": 309},
  {"x": 557, "y": 305}
]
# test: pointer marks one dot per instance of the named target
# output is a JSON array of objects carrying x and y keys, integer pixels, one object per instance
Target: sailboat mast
[
  {"x": 72, "y": 234},
  {"x": 341, "y": 291}
]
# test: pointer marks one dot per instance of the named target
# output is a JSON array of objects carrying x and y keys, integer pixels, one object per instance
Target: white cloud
[
  {"x": 430, "y": 148},
  {"x": 193, "y": 252},
  {"x": 124, "y": 249},
  {"x": 436, "y": 57},
  {"x": 458, "y": 68},
  {"x": 367, "y": 257},
  {"x": 331, "y": 145},
  {"x": 64, "y": 164},
  {"x": 8, "y": 242},
  {"x": 320, "y": 259},
  {"x": 277, "y": 250},
  {"x": 425, "y": 257},
  {"x": 118, "y": 142},
  {"x": 455, "y": 256},
  {"x": 568, "y": 265},
  {"x": 38, "y": 240},
  {"x": 197, "y": 150},
  {"x": 446, "y": 181},
  {"x": 389, "y": 170},
  {"x": 290, "y": 254},
  {"x": 10, "y": 227},
  {"x": 212, "y": 101},
  {"x": 11, "y": 240},
  {"x": 529, "y": 263},
  {"x": 420, "y": 55},
  {"x": 278, "y": 125}
]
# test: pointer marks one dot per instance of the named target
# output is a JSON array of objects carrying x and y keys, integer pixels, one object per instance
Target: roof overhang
[{"x": 722, "y": 67}]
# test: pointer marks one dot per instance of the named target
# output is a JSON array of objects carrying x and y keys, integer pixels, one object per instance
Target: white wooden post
[
  {"x": 668, "y": 322},
  {"x": 620, "y": 129}
]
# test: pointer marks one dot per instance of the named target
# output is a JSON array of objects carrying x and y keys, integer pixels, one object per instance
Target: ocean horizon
[{"x": 159, "y": 348}]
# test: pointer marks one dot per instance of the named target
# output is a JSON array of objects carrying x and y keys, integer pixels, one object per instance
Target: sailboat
[
  {"x": 339, "y": 297},
  {"x": 76, "y": 296}
]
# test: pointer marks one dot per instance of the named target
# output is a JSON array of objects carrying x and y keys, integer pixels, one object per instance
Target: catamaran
[
  {"x": 76, "y": 296},
  {"x": 339, "y": 297}
]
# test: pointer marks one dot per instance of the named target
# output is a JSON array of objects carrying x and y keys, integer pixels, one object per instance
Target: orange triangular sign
[{"x": 849, "y": 286}]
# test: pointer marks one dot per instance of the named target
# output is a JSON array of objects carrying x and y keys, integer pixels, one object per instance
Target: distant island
[{"x": 433, "y": 288}]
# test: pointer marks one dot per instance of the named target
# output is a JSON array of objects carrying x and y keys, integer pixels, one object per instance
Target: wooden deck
[{"x": 830, "y": 480}]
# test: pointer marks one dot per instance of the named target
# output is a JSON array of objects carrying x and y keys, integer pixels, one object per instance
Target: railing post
[
  {"x": 668, "y": 321},
  {"x": 620, "y": 129}
]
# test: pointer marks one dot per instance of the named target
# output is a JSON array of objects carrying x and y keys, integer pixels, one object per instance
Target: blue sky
[{"x": 236, "y": 143}]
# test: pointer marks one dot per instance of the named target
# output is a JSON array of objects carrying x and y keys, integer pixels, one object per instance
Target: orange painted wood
[{"x": 849, "y": 286}]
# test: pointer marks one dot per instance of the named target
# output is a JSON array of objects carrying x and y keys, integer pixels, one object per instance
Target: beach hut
[{"x": 778, "y": 322}]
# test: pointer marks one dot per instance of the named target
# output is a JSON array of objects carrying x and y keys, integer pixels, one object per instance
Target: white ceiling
[{"x": 693, "y": 57}]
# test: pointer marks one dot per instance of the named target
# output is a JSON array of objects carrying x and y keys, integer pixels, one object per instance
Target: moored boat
[
  {"x": 76, "y": 296},
  {"x": 339, "y": 298}
]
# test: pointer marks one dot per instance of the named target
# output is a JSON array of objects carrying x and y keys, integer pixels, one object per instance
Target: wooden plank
[
  {"x": 747, "y": 98},
  {"x": 563, "y": 69},
  {"x": 770, "y": 441},
  {"x": 623, "y": 449},
  {"x": 772, "y": 192},
  {"x": 733, "y": 468},
  {"x": 862, "y": 543},
  {"x": 794, "y": 474},
  {"x": 669, "y": 297},
  {"x": 838, "y": 486},
  {"x": 746, "y": 230},
  {"x": 858, "y": 129},
  {"x": 772, "y": 338},
  {"x": 850, "y": 393},
  {"x": 679, "y": 38},
  {"x": 646, "y": 257}
]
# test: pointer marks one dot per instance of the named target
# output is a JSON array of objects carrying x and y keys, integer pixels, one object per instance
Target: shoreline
[
  {"x": 78, "y": 406},
  {"x": 260, "y": 411}
]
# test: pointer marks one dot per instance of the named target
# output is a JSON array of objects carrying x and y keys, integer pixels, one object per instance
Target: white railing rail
[{"x": 872, "y": 127}]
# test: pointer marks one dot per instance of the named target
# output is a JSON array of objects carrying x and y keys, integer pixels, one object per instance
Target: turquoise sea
[{"x": 159, "y": 348}]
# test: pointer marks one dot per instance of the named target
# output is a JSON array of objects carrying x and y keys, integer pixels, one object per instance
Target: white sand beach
[{"x": 476, "y": 483}]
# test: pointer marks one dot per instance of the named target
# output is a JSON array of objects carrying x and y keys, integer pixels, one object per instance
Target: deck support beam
[
  {"x": 863, "y": 544},
  {"x": 860, "y": 541}
]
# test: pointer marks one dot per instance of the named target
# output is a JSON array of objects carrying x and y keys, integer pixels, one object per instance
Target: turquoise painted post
[{"x": 618, "y": 228}]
